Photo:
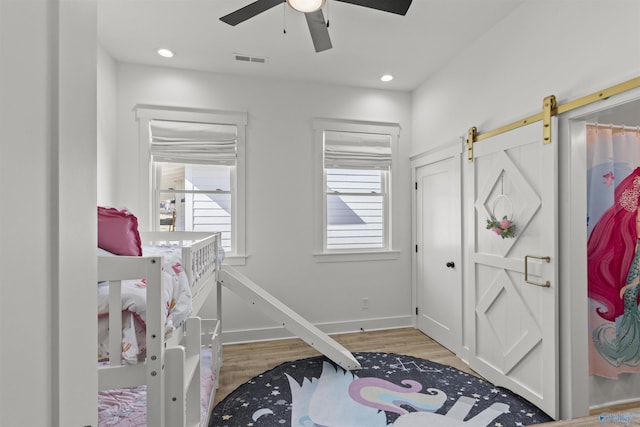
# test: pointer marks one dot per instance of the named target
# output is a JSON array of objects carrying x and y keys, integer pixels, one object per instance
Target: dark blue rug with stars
[{"x": 389, "y": 390}]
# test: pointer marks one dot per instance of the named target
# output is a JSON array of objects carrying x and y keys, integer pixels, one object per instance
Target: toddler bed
[{"x": 157, "y": 341}]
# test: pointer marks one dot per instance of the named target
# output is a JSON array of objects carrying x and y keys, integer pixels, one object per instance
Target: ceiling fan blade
[
  {"x": 399, "y": 7},
  {"x": 249, "y": 11},
  {"x": 319, "y": 31}
]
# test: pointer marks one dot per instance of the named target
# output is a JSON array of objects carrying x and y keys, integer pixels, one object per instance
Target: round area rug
[{"x": 389, "y": 390}]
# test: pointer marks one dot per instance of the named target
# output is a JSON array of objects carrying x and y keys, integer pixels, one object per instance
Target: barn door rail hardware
[{"x": 550, "y": 109}]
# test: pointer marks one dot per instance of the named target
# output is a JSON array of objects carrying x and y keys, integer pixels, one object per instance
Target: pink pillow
[{"x": 118, "y": 232}]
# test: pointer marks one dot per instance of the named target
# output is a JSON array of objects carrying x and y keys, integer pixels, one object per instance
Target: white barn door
[{"x": 514, "y": 281}]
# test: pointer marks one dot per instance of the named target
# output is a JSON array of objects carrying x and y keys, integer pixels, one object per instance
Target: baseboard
[
  {"x": 618, "y": 405},
  {"x": 331, "y": 328}
]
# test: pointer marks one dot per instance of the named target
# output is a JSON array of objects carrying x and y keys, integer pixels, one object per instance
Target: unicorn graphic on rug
[{"x": 339, "y": 398}]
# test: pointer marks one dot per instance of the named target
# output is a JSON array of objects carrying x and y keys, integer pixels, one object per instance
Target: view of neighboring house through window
[
  {"x": 194, "y": 168},
  {"x": 194, "y": 197},
  {"x": 357, "y": 169},
  {"x": 356, "y": 208}
]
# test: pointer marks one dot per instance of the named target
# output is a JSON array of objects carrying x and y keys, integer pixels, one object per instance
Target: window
[
  {"x": 196, "y": 182},
  {"x": 194, "y": 197},
  {"x": 356, "y": 160},
  {"x": 355, "y": 208}
]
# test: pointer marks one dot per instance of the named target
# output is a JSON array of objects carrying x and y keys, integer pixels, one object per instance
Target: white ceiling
[{"x": 366, "y": 42}]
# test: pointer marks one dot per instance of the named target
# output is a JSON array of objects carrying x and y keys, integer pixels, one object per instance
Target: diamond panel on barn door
[
  {"x": 505, "y": 171},
  {"x": 503, "y": 303}
]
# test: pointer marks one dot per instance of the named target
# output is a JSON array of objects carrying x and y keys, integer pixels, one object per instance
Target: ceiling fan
[{"x": 312, "y": 10}]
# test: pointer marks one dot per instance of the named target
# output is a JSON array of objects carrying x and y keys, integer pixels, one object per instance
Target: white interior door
[
  {"x": 514, "y": 342},
  {"x": 439, "y": 283}
]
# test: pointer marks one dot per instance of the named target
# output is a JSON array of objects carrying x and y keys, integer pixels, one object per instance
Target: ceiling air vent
[{"x": 247, "y": 58}]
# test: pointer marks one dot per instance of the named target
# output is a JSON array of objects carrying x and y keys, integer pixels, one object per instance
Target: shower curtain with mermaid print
[{"x": 613, "y": 255}]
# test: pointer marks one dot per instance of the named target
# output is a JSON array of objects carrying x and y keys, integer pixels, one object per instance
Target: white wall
[
  {"x": 107, "y": 168},
  {"x": 26, "y": 140},
  {"x": 567, "y": 48},
  {"x": 560, "y": 47},
  {"x": 279, "y": 195},
  {"x": 48, "y": 233}
]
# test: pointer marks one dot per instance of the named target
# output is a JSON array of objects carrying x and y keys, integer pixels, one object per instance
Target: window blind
[
  {"x": 189, "y": 142},
  {"x": 357, "y": 150}
]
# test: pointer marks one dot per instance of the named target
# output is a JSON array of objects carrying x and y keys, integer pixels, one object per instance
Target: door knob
[{"x": 450, "y": 264}]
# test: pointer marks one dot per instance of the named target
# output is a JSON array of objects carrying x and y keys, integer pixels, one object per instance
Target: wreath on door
[{"x": 503, "y": 227}]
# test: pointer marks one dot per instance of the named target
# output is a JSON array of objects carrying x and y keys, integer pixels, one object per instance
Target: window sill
[
  {"x": 235, "y": 260},
  {"x": 350, "y": 256}
]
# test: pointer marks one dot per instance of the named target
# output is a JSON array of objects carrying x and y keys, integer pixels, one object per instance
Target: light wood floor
[{"x": 241, "y": 362}]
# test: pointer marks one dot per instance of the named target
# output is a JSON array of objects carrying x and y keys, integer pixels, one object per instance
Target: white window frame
[
  {"x": 145, "y": 114},
  {"x": 390, "y": 250}
]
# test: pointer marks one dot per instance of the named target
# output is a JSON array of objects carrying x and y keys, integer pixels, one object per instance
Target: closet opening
[{"x": 600, "y": 152}]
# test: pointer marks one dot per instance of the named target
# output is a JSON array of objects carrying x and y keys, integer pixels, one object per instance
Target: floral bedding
[
  {"x": 127, "y": 407},
  {"x": 177, "y": 306}
]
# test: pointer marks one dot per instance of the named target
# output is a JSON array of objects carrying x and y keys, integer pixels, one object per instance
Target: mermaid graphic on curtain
[{"x": 613, "y": 249}]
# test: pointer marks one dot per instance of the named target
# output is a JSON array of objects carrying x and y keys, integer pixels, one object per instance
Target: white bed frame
[{"x": 171, "y": 370}]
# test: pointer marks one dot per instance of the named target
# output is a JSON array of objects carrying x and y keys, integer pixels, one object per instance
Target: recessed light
[
  {"x": 165, "y": 52},
  {"x": 386, "y": 78}
]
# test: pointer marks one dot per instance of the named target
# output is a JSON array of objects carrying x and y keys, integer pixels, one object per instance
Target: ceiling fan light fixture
[{"x": 306, "y": 6}]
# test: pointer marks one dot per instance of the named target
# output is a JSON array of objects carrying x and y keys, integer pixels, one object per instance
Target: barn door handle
[{"x": 526, "y": 270}]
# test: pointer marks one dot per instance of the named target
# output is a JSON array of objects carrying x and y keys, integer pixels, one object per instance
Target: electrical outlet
[{"x": 365, "y": 303}]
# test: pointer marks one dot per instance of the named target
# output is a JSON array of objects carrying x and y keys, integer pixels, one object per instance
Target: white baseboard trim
[
  {"x": 613, "y": 403},
  {"x": 279, "y": 333}
]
